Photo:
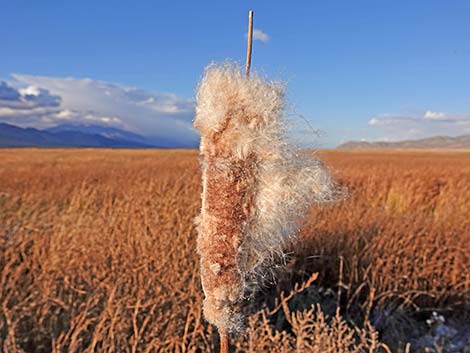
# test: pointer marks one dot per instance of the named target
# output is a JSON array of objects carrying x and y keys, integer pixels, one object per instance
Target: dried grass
[{"x": 97, "y": 254}]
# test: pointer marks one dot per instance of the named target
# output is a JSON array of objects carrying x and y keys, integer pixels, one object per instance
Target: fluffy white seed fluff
[{"x": 241, "y": 121}]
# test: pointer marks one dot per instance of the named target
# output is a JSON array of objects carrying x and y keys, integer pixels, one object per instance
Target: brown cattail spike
[
  {"x": 250, "y": 42},
  {"x": 256, "y": 187}
]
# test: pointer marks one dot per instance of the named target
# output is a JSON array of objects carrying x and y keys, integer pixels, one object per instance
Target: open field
[{"x": 97, "y": 253}]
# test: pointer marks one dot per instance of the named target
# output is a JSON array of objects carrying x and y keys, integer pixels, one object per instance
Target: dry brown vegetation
[{"x": 97, "y": 254}]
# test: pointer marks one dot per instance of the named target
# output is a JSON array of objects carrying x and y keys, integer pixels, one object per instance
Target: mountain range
[
  {"x": 436, "y": 142},
  {"x": 71, "y": 135}
]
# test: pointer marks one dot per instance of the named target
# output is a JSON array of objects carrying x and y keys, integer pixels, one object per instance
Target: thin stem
[
  {"x": 340, "y": 285},
  {"x": 250, "y": 42},
  {"x": 223, "y": 341}
]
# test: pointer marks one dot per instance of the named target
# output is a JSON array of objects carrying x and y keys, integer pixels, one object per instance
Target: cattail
[{"x": 256, "y": 186}]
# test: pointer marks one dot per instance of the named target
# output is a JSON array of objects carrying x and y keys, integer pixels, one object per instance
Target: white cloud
[
  {"x": 428, "y": 123},
  {"x": 375, "y": 121},
  {"x": 75, "y": 116},
  {"x": 28, "y": 106},
  {"x": 26, "y": 98},
  {"x": 42, "y": 101},
  {"x": 260, "y": 35},
  {"x": 433, "y": 115}
]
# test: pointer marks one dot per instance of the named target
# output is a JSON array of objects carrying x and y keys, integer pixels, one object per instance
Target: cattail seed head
[{"x": 256, "y": 187}]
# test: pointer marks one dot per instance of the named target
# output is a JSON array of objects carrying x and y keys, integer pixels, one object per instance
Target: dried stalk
[
  {"x": 223, "y": 341},
  {"x": 250, "y": 43}
]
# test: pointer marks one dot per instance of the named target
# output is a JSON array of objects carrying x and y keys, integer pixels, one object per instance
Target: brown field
[{"x": 97, "y": 254}]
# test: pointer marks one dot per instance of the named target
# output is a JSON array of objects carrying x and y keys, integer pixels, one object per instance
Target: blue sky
[{"x": 369, "y": 70}]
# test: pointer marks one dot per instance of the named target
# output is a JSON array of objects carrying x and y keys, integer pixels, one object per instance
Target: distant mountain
[
  {"x": 71, "y": 136},
  {"x": 105, "y": 131},
  {"x": 436, "y": 142},
  {"x": 127, "y": 136}
]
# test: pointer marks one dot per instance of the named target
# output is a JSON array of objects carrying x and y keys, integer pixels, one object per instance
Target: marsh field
[{"x": 97, "y": 254}]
